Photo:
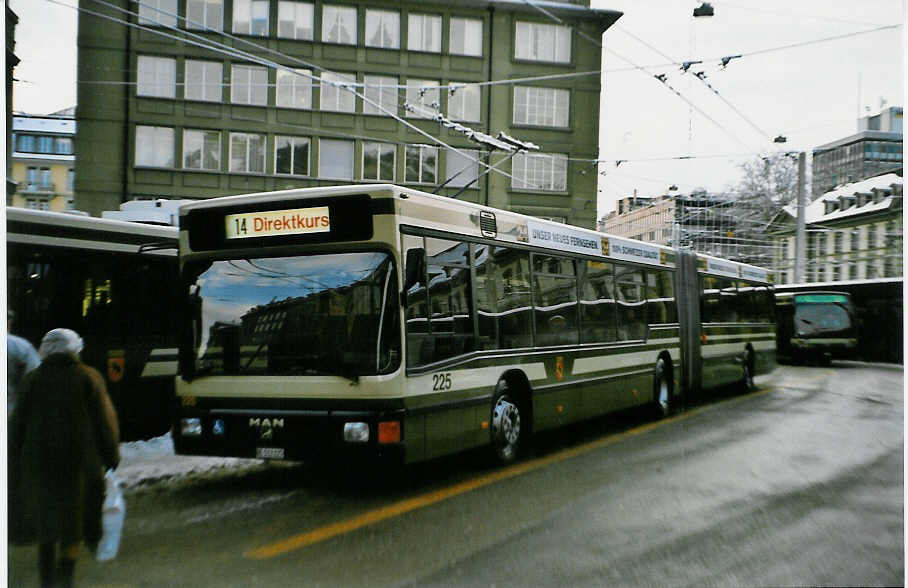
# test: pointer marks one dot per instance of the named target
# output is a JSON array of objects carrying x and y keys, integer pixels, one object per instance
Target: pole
[{"x": 801, "y": 235}]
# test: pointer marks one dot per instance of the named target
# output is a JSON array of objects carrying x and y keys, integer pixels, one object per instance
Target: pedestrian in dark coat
[{"x": 63, "y": 436}]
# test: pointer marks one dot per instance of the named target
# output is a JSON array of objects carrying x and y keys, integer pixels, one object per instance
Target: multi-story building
[
  {"x": 12, "y": 19},
  {"x": 875, "y": 149},
  {"x": 853, "y": 232},
  {"x": 643, "y": 218},
  {"x": 309, "y": 93},
  {"x": 43, "y": 161}
]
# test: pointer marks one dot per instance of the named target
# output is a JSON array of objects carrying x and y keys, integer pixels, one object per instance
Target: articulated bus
[
  {"x": 815, "y": 325},
  {"x": 113, "y": 283},
  {"x": 383, "y": 322}
]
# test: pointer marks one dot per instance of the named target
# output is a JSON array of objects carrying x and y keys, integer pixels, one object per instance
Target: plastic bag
[{"x": 112, "y": 514}]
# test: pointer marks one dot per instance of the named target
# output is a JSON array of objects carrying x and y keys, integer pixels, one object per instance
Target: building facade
[
  {"x": 853, "y": 233},
  {"x": 43, "y": 161},
  {"x": 875, "y": 149},
  {"x": 299, "y": 94}
]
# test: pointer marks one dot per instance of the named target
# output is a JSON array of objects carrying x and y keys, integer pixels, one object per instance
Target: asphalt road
[{"x": 800, "y": 483}]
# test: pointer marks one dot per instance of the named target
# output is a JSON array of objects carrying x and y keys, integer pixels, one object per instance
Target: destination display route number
[{"x": 271, "y": 223}]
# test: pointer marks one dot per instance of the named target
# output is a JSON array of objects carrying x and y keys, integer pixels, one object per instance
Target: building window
[
  {"x": 31, "y": 179},
  {"x": 333, "y": 96},
  {"x": 291, "y": 156},
  {"x": 249, "y": 85},
  {"x": 201, "y": 149},
  {"x": 295, "y": 20},
  {"x": 247, "y": 153},
  {"x": 421, "y": 164},
  {"x": 464, "y": 102},
  {"x": 158, "y": 13},
  {"x": 382, "y": 29},
  {"x": 44, "y": 179},
  {"x": 380, "y": 93},
  {"x": 424, "y": 33},
  {"x": 871, "y": 237},
  {"x": 250, "y": 17},
  {"x": 203, "y": 80},
  {"x": 339, "y": 24},
  {"x": 335, "y": 159},
  {"x": 839, "y": 237},
  {"x": 37, "y": 204},
  {"x": 154, "y": 146},
  {"x": 466, "y": 37},
  {"x": 63, "y": 146},
  {"x": 462, "y": 168},
  {"x": 294, "y": 90},
  {"x": 205, "y": 14},
  {"x": 379, "y": 161},
  {"x": 45, "y": 144},
  {"x": 543, "y": 42},
  {"x": 25, "y": 143},
  {"x": 70, "y": 179},
  {"x": 156, "y": 76},
  {"x": 539, "y": 171},
  {"x": 542, "y": 107},
  {"x": 423, "y": 98}
]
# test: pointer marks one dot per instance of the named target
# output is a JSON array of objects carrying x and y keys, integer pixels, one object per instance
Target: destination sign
[{"x": 270, "y": 223}]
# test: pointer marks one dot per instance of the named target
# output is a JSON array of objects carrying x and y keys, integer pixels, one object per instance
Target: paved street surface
[{"x": 800, "y": 483}]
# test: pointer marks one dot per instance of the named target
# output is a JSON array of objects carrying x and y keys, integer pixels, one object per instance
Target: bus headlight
[
  {"x": 191, "y": 427},
  {"x": 356, "y": 432}
]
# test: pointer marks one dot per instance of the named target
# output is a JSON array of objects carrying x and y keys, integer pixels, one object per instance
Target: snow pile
[{"x": 149, "y": 462}]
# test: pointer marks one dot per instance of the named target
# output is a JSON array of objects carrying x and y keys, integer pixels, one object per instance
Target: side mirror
[
  {"x": 415, "y": 271},
  {"x": 415, "y": 267}
]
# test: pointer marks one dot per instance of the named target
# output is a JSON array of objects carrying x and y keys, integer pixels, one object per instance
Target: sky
[{"x": 812, "y": 94}]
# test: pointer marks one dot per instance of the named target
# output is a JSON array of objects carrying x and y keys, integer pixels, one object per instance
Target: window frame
[
  {"x": 460, "y": 103},
  {"x": 526, "y": 42},
  {"x": 292, "y": 144},
  {"x": 384, "y": 90},
  {"x": 206, "y": 14},
  {"x": 526, "y": 185},
  {"x": 412, "y": 91},
  {"x": 206, "y": 85},
  {"x": 341, "y": 93},
  {"x": 163, "y": 83},
  {"x": 309, "y": 7},
  {"x": 543, "y": 103},
  {"x": 434, "y": 21},
  {"x": 383, "y": 150},
  {"x": 149, "y": 136},
  {"x": 248, "y": 86},
  {"x": 338, "y": 11},
  {"x": 247, "y": 156},
  {"x": 300, "y": 88},
  {"x": 421, "y": 156},
  {"x": 321, "y": 155},
  {"x": 190, "y": 134},
  {"x": 383, "y": 15},
  {"x": 250, "y": 13},
  {"x": 464, "y": 48}
]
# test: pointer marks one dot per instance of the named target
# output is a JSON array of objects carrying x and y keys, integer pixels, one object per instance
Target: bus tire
[
  {"x": 507, "y": 424},
  {"x": 663, "y": 399},
  {"x": 747, "y": 369}
]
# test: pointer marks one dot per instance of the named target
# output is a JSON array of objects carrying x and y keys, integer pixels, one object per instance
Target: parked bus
[
  {"x": 878, "y": 314},
  {"x": 381, "y": 321},
  {"x": 815, "y": 326},
  {"x": 113, "y": 283}
]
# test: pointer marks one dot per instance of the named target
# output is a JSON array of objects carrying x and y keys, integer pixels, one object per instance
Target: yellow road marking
[{"x": 393, "y": 510}]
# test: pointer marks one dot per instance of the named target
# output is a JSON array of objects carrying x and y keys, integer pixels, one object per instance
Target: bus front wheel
[{"x": 507, "y": 425}]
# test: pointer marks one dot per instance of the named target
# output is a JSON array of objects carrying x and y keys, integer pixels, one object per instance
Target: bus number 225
[{"x": 441, "y": 382}]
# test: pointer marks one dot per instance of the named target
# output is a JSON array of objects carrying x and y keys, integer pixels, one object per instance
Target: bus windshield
[
  {"x": 329, "y": 314},
  {"x": 821, "y": 317}
]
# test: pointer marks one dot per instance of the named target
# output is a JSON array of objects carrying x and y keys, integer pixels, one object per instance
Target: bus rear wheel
[{"x": 507, "y": 425}]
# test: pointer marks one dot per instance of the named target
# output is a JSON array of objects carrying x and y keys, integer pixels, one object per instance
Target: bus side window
[
  {"x": 555, "y": 300},
  {"x": 419, "y": 343},
  {"x": 597, "y": 302},
  {"x": 629, "y": 285},
  {"x": 450, "y": 298},
  {"x": 660, "y": 298},
  {"x": 510, "y": 271}
]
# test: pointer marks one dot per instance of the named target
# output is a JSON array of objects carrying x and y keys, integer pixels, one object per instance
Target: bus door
[{"x": 687, "y": 292}]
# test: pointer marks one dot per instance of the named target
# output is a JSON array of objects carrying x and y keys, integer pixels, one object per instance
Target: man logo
[
  {"x": 266, "y": 427},
  {"x": 605, "y": 247}
]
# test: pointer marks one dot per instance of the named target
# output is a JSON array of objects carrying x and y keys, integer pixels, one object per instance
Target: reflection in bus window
[
  {"x": 555, "y": 300},
  {"x": 597, "y": 302},
  {"x": 755, "y": 303},
  {"x": 503, "y": 297},
  {"x": 629, "y": 285},
  {"x": 718, "y": 300},
  {"x": 660, "y": 298}
]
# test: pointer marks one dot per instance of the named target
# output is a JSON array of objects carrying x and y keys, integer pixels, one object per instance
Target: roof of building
[
  {"x": 816, "y": 210},
  {"x": 861, "y": 136},
  {"x": 44, "y": 124}
]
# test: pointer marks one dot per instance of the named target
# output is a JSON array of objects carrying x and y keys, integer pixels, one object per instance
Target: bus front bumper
[{"x": 295, "y": 435}]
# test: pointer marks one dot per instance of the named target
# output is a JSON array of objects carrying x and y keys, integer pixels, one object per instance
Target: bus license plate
[{"x": 269, "y": 452}]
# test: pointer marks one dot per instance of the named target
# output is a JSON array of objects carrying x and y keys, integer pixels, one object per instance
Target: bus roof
[
  {"x": 79, "y": 231},
  {"x": 417, "y": 208}
]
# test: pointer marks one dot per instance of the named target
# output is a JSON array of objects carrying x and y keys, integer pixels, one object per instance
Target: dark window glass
[
  {"x": 503, "y": 296},
  {"x": 660, "y": 298},
  {"x": 330, "y": 314},
  {"x": 630, "y": 288},
  {"x": 597, "y": 302},
  {"x": 555, "y": 300},
  {"x": 718, "y": 300}
]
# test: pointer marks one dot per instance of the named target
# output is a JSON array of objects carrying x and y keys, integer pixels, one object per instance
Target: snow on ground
[{"x": 153, "y": 461}]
